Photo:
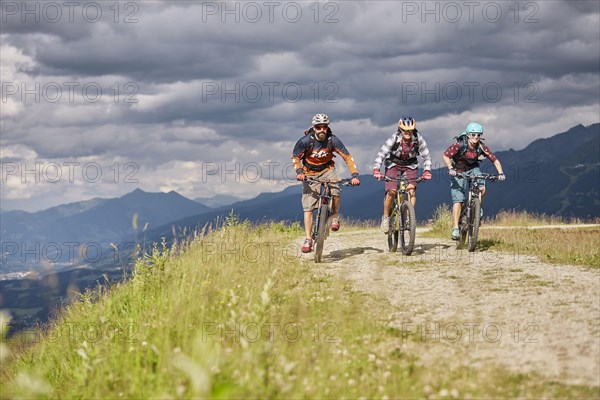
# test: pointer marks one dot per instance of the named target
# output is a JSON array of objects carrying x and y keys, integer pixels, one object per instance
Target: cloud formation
[{"x": 166, "y": 91}]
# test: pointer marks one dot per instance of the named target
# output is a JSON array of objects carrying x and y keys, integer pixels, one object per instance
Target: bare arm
[
  {"x": 498, "y": 167},
  {"x": 448, "y": 162}
]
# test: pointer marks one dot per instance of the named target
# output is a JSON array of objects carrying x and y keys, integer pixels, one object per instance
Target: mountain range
[{"x": 218, "y": 200}]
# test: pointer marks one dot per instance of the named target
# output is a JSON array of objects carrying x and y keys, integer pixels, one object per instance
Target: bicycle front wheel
[
  {"x": 408, "y": 227},
  {"x": 394, "y": 228},
  {"x": 474, "y": 223},
  {"x": 322, "y": 232},
  {"x": 463, "y": 226}
]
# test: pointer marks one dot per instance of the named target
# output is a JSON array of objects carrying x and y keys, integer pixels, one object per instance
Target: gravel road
[{"x": 481, "y": 308}]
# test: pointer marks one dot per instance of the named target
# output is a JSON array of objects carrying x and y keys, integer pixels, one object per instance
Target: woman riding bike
[
  {"x": 464, "y": 156},
  {"x": 398, "y": 156}
]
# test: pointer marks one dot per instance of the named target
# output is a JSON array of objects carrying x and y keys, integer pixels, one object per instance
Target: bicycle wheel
[
  {"x": 394, "y": 228},
  {"x": 408, "y": 227},
  {"x": 463, "y": 226},
  {"x": 322, "y": 231},
  {"x": 474, "y": 223}
]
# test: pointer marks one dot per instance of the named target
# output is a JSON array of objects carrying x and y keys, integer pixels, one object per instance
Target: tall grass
[
  {"x": 579, "y": 246},
  {"x": 525, "y": 218},
  {"x": 237, "y": 314},
  {"x": 442, "y": 222}
]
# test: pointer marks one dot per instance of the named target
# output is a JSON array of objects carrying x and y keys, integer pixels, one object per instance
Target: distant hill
[
  {"x": 218, "y": 200},
  {"x": 97, "y": 221}
]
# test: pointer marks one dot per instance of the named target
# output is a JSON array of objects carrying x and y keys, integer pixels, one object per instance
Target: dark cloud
[{"x": 214, "y": 84}]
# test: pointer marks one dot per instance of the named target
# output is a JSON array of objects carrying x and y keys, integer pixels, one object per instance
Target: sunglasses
[
  {"x": 407, "y": 131},
  {"x": 475, "y": 134},
  {"x": 320, "y": 127}
]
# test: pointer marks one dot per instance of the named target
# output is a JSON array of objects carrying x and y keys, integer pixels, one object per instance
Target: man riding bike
[
  {"x": 464, "y": 156},
  {"x": 313, "y": 157},
  {"x": 398, "y": 155}
]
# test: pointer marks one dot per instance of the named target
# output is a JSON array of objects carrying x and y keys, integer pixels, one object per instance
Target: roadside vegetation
[
  {"x": 235, "y": 313},
  {"x": 578, "y": 246}
]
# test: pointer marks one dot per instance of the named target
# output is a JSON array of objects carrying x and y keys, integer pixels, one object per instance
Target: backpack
[
  {"x": 309, "y": 151},
  {"x": 399, "y": 161},
  {"x": 462, "y": 139},
  {"x": 415, "y": 142},
  {"x": 311, "y": 132}
]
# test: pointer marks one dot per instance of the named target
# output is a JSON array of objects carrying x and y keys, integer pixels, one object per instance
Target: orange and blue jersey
[{"x": 312, "y": 161}]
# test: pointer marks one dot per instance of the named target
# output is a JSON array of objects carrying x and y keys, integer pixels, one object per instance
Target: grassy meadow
[
  {"x": 235, "y": 313},
  {"x": 577, "y": 246}
]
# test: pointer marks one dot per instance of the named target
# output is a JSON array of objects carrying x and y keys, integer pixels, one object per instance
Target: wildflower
[{"x": 427, "y": 390}]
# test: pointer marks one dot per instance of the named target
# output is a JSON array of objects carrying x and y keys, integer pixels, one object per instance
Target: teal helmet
[{"x": 474, "y": 127}]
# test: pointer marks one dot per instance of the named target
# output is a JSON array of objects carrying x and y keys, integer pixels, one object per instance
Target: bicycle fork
[
  {"x": 324, "y": 199},
  {"x": 399, "y": 221},
  {"x": 465, "y": 216},
  {"x": 465, "y": 219}
]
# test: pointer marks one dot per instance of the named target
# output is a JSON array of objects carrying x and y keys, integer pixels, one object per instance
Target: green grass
[
  {"x": 579, "y": 246},
  {"x": 442, "y": 222},
  {"x": 524, "y": 218},
  {"x": 236, "y": 314}
]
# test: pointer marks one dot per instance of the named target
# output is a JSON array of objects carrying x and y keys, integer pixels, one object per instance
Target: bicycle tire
[
  {"x": 474, "y": 223},
  {"x": 463, "y": 226},
  {"x": 408, "y": 227},
  {"x": 393, "y": 229},
  {"x": 322, "y": 232}
]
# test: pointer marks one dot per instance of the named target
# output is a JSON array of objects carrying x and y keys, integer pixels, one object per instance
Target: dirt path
[{"x": 479, "y": 308}]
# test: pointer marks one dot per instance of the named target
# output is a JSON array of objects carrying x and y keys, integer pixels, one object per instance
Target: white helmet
[{"x": 320, "y": 119}]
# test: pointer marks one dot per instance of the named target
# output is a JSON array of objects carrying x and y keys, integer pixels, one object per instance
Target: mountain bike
[
  {"x": 470, "y": 214},
  {"x": 403, "y": 222},
  {"x": 321, "y": 224}
]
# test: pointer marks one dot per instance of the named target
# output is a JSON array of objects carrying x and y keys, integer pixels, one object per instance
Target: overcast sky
[{"x": 205, "y": 98}]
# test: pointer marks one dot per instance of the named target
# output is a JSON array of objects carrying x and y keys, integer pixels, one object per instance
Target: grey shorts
[
  {"x": 311, "y": 190},
  {"x": 459, "y": 186}
]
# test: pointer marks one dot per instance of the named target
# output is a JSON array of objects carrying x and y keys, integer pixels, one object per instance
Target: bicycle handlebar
[
  {"x": 401, "y": 178},
  {"x": 345, "y": 181},
  {"x": 491, "y": 178}
]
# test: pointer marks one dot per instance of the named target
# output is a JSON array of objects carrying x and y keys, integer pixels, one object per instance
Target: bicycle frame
[
  {"x": 321, "y": 219},
  {"x": 402, "y": 217},
  {"x": 325, "y": 198},
  {"x": 470, "y": 214}
]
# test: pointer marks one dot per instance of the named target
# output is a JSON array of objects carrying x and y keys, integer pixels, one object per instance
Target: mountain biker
[
  {"x": 466, "y": 159},
  {"x": 398, "y": 155},
  {"x": 313, "y": 157}
]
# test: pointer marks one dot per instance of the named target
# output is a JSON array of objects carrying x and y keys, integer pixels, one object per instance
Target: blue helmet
[{"x": 474, "y": 127}]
